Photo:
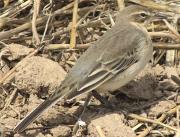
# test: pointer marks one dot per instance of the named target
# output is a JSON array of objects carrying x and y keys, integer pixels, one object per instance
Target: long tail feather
[{"x": 33, "y": 115}]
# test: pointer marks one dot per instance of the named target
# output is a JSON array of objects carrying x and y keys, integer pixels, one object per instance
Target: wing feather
[{"x": 103, "y": 73}]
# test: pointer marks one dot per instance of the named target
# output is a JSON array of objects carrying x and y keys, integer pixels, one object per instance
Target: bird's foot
[
  {"x": 79, "y": 125},
  {"x": 103, "y": 100},
  {"x": 79, "y": 122}
]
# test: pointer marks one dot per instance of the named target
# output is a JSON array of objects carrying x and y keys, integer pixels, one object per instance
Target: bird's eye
[{"x": 143, "y": 14}]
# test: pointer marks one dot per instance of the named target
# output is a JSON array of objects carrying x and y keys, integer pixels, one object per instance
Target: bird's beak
[
  {"x": 158, "y": 16},
  {"x": 155, "y": 17}
]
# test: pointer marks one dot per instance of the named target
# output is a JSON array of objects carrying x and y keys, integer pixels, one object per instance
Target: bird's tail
[{"x": 35, "y": 113}]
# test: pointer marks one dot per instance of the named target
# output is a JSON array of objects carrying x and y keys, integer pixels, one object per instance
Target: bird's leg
[
  {"x": 103, "y": 100},
  {"x": 98, "y": 97},
  {"x": 79, "y": 122}
]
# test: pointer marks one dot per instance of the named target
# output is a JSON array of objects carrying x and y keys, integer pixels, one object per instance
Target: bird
[{"x": 110, "y": 63}]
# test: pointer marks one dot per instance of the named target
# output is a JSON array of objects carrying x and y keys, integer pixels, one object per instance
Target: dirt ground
[
  {"x": 151, "y": 94},
  {"x": 48, "y": 44}
]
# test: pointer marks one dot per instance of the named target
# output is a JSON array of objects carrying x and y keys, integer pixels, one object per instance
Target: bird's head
[{"x": 136, "y": 13}]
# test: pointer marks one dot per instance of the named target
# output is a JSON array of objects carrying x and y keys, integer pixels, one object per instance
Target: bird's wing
[{"x": 104, "y": 71}]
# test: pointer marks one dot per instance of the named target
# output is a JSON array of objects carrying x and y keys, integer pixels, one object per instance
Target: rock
[
  {"x": 161, "y": 107},
  {"x": 15, "y": 51},
  {"x": 111, "y": 125},
  {"x": 9, "y": 54},
  {"x": 61, "y": 131},
  {"x": 39, "y": 75}
]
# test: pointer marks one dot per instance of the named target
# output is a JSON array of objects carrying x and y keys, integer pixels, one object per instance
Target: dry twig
[
  {"x": 85, "y": 46},
  {"x": 74, "y": 22},
  {"x": 120, "y": 4},
  {"x": 100, "y": 132},
  {"x": 156, "y": 122},
  {"x": 34, "y": 19}
]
